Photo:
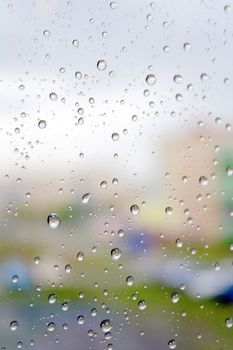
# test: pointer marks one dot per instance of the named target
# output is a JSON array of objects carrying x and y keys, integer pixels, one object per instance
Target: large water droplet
[
  {"x": 106, "y": 325},
  {"x": 142, "y": 305}
]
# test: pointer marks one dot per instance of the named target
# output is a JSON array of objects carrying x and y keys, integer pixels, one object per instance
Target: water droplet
[
  {"x": 53, "y": 220},
  {"x": 177, "y": 79},
  {"x": 103, "y": 184},
  {"x": 42, "y": 124},
  {"x": 106, "y": 325},
  {"x": 203, "y": 180},
  {"x": 121, "y": 233},
  {"x": 187, "y": 47},
  {"x": 150, "y": 79},
  {"x": 179, "y": 243},
  {"x": 229, "y": 322},
  {"x": 51, "y": 326},
  {"x": 65, "y": 306},
  {"x": 175, "y": 298},
  {"x": 179, "y": 97},
  {"x": 101, "y": 65},
  {"x": 37, "y": 260},
  {"x": 129, "y": 281},
  {"x": 142, "y": 305},
  {"x": 52, "y": 298},
  {"x": 78, "y": 75},
  {"x": 46, "y": 33},
  {"x": 172, "y": 344},
  {"x": 68, "y": 268},
  {"x": 168, "y": 210},
  {"x": 227, "y": 9},
  {"x": 229, "y": 171},
  {"x": 134, "y": 209},
  {"x": 75, "y": 43},
  {"x": 80, "y": 256},
  {"x": 14, "y": 325},
  {"x": 116, "y": 253},
  {"x": 85, "y": 198},
  {"x": 93, "y": 312},
  {"x": 115, "y": 136},
  {"x": 81, "y": 319},
  {"x": 204, "y": 77},
  {"x": 15, "y": 279},
  {"x": 53, "y": 96}
]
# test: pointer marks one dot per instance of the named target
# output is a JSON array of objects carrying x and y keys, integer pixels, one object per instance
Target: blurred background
[{"x": 116, "y": 174}]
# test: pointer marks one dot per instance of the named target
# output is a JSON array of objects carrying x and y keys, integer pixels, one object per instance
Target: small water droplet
[
  {"x": 177, "y": 79},
  {"x": 187, "y": 47},
  {"x": 75, "y": 43},
  {"x": 53, "y": 220},
  {"x": 115, "y": 136},
  {"x": 172, "y": 344},
  {"x": 52, "y": 298},
  {"x": 81, "y": 319},
  {"x": 129, "y": 281},
  {"x": 51, "y": 326},
  {"x": 42, "y": 124},
  {"x": 53, "y": 96},
  {"x": 134, "y": 209},
  {"x": 101, "y": 65},
  {"x": 85, "y": 198},
  {"x": 116, "y": 253},
  {"x": 14, "y": 325},
  {"x": 229, "y": 171},
  {"x": 150, "y": 79},
  {"x": 203, "y": 180},
  {"x": 229, "y": 322},
  {"x": 175, "y": 298},
  {"x": 46, "y": 33},
  {"x": 169, "y": 210}
]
